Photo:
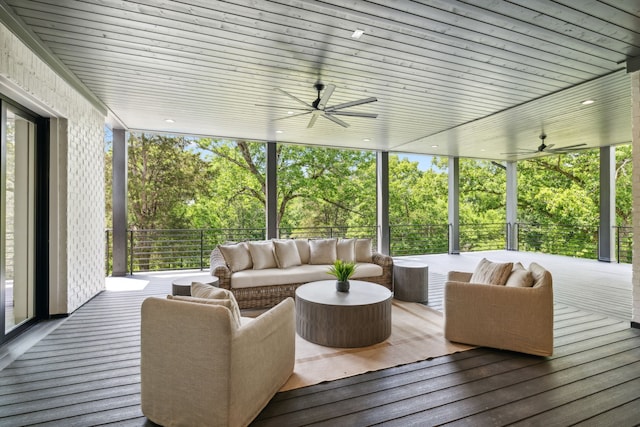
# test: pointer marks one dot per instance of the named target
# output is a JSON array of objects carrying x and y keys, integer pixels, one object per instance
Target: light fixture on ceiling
[
  {"x": 434, "y": 146},
  {"x": 357, "y": 34},
  {"x": 366, "y": 140},
  {"x": 588, "y": 102},
  {"x": 289, "y": 112},
  {"x": 169, "y": 120},
  {"x": 279, "y": 131}
]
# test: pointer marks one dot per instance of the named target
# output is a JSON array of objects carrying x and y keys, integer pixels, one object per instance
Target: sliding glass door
[{"x": 17, "y": 223}]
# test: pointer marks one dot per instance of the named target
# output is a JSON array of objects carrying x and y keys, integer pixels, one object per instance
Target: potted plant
[{"x": 342, "y": 270}]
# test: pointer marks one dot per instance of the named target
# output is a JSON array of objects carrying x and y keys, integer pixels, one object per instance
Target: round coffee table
[
  {"x": 358, "y": 318},
  {"x": 182, "y": 285}
]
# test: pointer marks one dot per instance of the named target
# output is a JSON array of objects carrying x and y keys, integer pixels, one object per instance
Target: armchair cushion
[
  {"x": 492, "y": 273},
  {"x": 520, "y": 277},
  {"x": 231, "y": 305},
  {"x": 200, "y": 290}
]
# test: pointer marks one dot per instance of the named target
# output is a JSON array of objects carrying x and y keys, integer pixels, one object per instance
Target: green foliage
[{"x": 342, "y": 270}]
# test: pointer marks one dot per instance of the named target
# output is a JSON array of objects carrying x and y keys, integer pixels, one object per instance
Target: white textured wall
[
  {"x": 79, "y": 223},
  {"x": 635, "y": 131}
]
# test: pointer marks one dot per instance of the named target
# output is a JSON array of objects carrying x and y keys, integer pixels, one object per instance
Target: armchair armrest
[
  {"x": 262, "y": 360},
  {"x": 218, "y": 267}
]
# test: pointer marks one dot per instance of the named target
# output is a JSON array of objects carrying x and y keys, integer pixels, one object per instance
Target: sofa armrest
[
  {"x": 263, "y": 357},
  {"x": 218, "y": 267},
  {"x": 459, "y": 276},
  {"x": 519, "y": 319},
  {"x": 382, "y": 260}
]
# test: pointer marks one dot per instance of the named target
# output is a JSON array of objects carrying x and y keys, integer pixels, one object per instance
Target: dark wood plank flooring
[{"x": 86, "y": 373}]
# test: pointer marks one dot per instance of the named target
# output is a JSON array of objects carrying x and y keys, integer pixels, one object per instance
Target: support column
[
  {"x": 382, "y": 202},
  {"x": 119, "y": 202},
  {"x": 635, "y": 139},
  {"x": 271, "y": 198},
  {"x": 454, "y": 205},
  {"x": 512, "y": 206},
  {"x": 606, "y": 234}
]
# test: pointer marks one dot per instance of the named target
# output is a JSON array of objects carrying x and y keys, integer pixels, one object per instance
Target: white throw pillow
[
  {"x": 229, "y": 304},
  {"x": 202, "y": 290},
  {"x": 286, "y": 253},
  {"x": 262, "y": 255},
  {"x": 303, "y": 250},
  {"x": 236, "y": 256},
  {"x": 346, "y": 250},
  {"x": 323, "y": 251},
  {"x": 491, "y": 273},
  {"x": 363, "y": 250}
]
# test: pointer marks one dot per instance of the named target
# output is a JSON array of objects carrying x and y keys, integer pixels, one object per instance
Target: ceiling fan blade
[
  {"x": 352, "y": 113},
  {"x": 281, "y": 107},
  {"x": 328, "y": 91},
  {"x": 294, "y": 98},
  {"x": 350, "y": 104},
  {"x": 336, "y": 120},
  {"x": 312, "y": 122},
  {"x": 292, "y": 115}
]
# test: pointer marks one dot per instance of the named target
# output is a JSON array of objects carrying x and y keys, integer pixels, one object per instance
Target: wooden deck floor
[{"x": 86, "y": 371}]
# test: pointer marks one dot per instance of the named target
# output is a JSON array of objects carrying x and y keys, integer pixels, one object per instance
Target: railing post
[
  {"x": 201, "y": 250},
  {"x": 130, "y": 251}
]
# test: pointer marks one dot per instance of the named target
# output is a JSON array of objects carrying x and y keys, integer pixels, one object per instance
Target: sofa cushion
[
  {"x": 363, "y": 250},
  {"x": 346, "y": 250},
  {"x": 491, "y": 273},
  {"x": 202, "y": 290},
  {"x": 519, "y": 277},
  {"x": 301, "y": 274},
  {"x": 323, "y": 251},
  {"x": 236, "y": 256},
  {"x": 237, "y": 321},
  {"x": 262, "y": 255},
  {"x": 303, "y": 250},
  {"x": 286, "y": 252}
]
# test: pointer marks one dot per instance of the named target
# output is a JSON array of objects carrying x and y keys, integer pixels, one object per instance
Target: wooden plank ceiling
[{"x": 472, "y": 78}]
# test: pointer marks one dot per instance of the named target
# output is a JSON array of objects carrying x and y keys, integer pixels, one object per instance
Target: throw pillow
[
  {"x": 236, "y": 256},
  {"x": 262, "y": 255},
  {"x": 363, "y": 250},
  {"x": 520, "y": 278},
  {"x": 346, "y": 250},
  {"x": 201, "y": 290},
  {"x": 303, "y": 250},
  {"x": 322, "y": 251},
  {"x": 223, "y": 302},
  {"x": 286, "y": 253},
  {"x": 491, "y": 273}
]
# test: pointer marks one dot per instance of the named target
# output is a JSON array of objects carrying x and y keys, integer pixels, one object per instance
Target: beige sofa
[
  {"x": 515, "y": 317},
  {"x": 199, "y": 368},
  {"x": 261, "y": 274}
]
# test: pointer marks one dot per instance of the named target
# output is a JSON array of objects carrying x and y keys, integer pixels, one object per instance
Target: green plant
[{"x": 342, "y": 270}]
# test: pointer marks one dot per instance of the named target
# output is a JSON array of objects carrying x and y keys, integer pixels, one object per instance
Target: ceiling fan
[
  {"x": 544, "y": 148},
  {"x": 319, "y": 108}
]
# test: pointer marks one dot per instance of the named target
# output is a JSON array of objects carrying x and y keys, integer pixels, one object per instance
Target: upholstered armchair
[
  {"x": 518, "y": 318},
  {"x": 200, "y": 368}
]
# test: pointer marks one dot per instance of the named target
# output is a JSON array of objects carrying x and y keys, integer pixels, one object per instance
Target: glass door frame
[{"x": 41, "y": 213}]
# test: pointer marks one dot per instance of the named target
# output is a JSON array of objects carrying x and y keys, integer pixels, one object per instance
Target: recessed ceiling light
[
  {"x": 588, "y": 101},
  {"x": 434, "y": 146},
  {"x": 357, "y": 34},
  {"x": 169, "y": 120},
  {"x": 366, "y": 140},
  {"x": 289, "y": 112},
  {"x": 279, "y": 131}
]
